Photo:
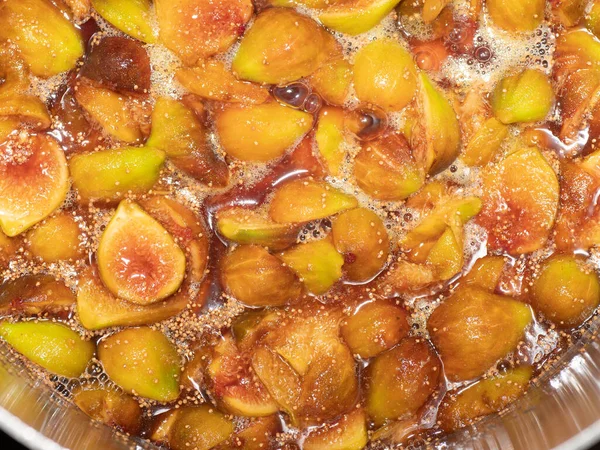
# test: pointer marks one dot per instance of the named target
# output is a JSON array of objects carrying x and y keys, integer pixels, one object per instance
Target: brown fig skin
[{"x": 34, "y": 295}]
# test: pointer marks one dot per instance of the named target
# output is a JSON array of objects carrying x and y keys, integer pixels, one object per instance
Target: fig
[
  {"x": 332, "y": 81},
  {"x": 386, "y": 169},
  {"x": 34, "y": 181},
  {"x": 142, "y": 266},
  {"x": 56, "y": 239},
  {"x": 569, "y": 12},
  {"x": 361, "y": 236},
  {"x": 375, "y": 327},
  {"x": 399, "y": 381},
  {"x": 317, "y": 263},
  {"x": 201, "y": 427},
  {"x": 385, "y": 75},
  {"x": 446, "y": 255},
  {"x": 8, "y": 126},
  {"x": 347, "y": 433},
  {"x": 47, "y": 41},
  {"x": 196, "y": 29},
  {"x": 35, "y": 294},
  {"x": 257, "y": 278},
  {"x": 519, "y": 16},
  {"x": 258, "y": 435},
  {"x": 520, "y": 200},
  {"x": 260, "y": 132},
  {"x": 177, "y": 131},
  {"x": 246, "y": 324},
  {"x": 592, "y": 19},
  {"x": 143, "y": 362},
  {"x": 110, "y": 407},
  {"x": 575, "y": 49},
  {"x": 404, "y": 276},
  {"x": 485, "y": 397},
  {"x": 111, "y": 174},
  {"x": 16, "y": 107},
  {"x": 356, "y": 16},
  {"x": 330, "y": 138},
  {"x": 80, "y": 9},
  {"x": 578, "y": 99},
  {"x": 245, "y": 226},
  {"x": 485, "y": 273},
  {"x": 55, "y": 347},
  {"x": 437, "y": 142},
  {"x": 282, "y": 46},
  {"x": 485, "y": 144},
  {"x": 524, "y": 97},
  {"x": 432, "y": 9},
  {"x": 8, "y": 249},
  {"x": 213, "y": 81},
  {"x": 565, "y": 291},
  {"x": 119, "y": 64},
  {"x": 473, "y": 329},
  {"x": 112, "y": 111},
  {"x": 132, "y": 17},
  {"x": 303, "y": 200}
]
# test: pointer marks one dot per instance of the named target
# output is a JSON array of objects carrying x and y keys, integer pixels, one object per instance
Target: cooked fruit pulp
[{"x": 317, "y": 225}]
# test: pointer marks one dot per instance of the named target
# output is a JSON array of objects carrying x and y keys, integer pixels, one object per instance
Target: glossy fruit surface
[
  {"x": 130, "y": 16},
  {"x": 111, "y": 407},
  {"x": 57, "y": 238}
]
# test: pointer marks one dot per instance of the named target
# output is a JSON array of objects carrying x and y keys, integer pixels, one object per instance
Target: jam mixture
[{"x": 297, "y": 224}]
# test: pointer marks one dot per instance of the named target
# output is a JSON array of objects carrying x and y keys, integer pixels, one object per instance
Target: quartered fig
[
  {"x": 35, "y": 294},
  {"x": 332, "y": 81},
  {"x": 348, "y": 433},
  {"x": 400, "y": 380},
  {"x": 330, "y": 138},
  {"x": 385, "y": 75},
  {"x": 111, "y": 174},
  {"x": 361, "y": 235},
  {"x": 34, "y": 180},
  {"x": 133, "y": 17},
  {"x": 108, "y": 406},
  {"x": 304, "y": 200},
  {"x": 260, "y": 132},
  {"x": 177, "y": 131},
  {"x": 48, "y": 42},
  {"x": 569, "y": 12},
  {"x": 474, "y": 328},
  {"x": 356, "y": 16},
  {"x": 509, "y": 15},
  {"x": 404, "y": 276},
  {"x": 485, "y": 144},
  {"x": 55, "y": 347},
  {"x": 575, "y": 49},
  {"x": 138, "y": 259},
  {"x": 317, "y": 263},
  {"x": 56, "y": 239},
  {"x": 196, "y": 29},
  {"x": 446, "y": 254},
  {"x": 282, "y": 46},
  {"x": 485, "y": 273},
  {"x": 143, "y": 362},
  {"x": 257, "y": 278},
  {"x": 485, "y": 397}
]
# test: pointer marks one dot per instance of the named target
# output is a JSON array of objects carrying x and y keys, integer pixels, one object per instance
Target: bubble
[
  {"x": 313, "y": 104},
  {"x": 483, "y": 53},
  {"x": 294, "y": 94}
]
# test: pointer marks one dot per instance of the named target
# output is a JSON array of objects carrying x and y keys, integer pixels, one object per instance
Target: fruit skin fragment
[
  {"x": 356, "y": 17},
  {"x": 55, "y": 347},
  {"x": 521, "y": 15},
  {"x": 110, "y": 407},
  {"x": 130, "y": 16}
]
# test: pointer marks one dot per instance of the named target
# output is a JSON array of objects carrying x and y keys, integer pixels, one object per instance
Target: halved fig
[
  {"x": 473, "y": 329},
  {"x": 260, "y": 132},
  {"x": 385, "y": 75},
  {"x": 566, "y": 291},
  {"x": 485, "y": 273},
  {"x": 578, "y": 99},
  {"x": 210, "y": 79},
  {"x": 347, "y": 433},
  {"x": 34, "y": 181},
  {"x": 524, "y": 97},
  {"x": 54, "y": 346},
  {"x": 197, "y": 29},
  {"x": 317, "y": 263},
  {"x": 511, "y": 15},
  {"x": 118, "y": 63},
  {"x": 386, "y": 169},
  {"x": 112, "y": 111},
  {"x": 35, "y": 294},
  {"x": 258, "y": 435},
  {"x": 520, "y": 201},
  {"x": 143, "y": 362},
  {"x": 282, "y": 46},
  {"x": 485, "y": 143},
  {"x": 437, "y": 138},
  {"x": 177, "y": 131},
  {"x": 56, "y": 239},
  {"x": 47, "y": 41},
  {"x": 132, "y": 17},
  {"x": 198, "y": 427},
  {"x": 330, "y": 137},
  {"x": 108, "y": 406},
  {"x": 575, "y": 49},
  {"x": 138, "y": 259},
  {"x": 111, "y": 174},
  {"x": 303, "y": 200},
  {"x": 485, "y": 397},
  {"x": 404, "y": 276},
  {"x": 361, "y": 236},
  {"x": 375, "y": 327},
  {"x": 257, "y": 278},
  {"x": 356, "y": 16},
  {"x": 332, "y": 81},
  {"x": 400, "y": 380},
  {"x": 245, "y": 226}
]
